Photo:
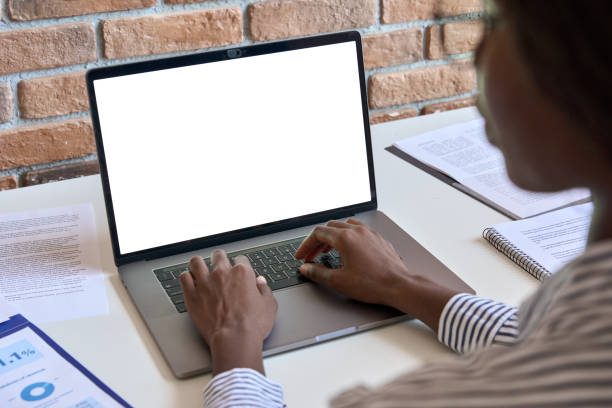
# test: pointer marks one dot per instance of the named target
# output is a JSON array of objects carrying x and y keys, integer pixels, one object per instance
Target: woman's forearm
[{"x": 421, "y": 298}]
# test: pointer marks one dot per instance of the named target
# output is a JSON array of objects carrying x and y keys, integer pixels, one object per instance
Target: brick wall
[{"x": 417, "y": 55}]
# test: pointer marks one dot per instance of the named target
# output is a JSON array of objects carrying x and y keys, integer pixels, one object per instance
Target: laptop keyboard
[{"x": 274, "y": 262}]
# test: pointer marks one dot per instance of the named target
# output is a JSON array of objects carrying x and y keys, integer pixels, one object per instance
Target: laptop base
[{"x": 307, "y": 313}]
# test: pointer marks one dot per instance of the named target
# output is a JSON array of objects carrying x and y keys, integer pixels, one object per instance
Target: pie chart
[{"x": 37, "y": 391}]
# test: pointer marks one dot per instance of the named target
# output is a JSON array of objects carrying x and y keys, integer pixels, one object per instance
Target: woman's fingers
[
  {"x": 242, "y": 264},
  {"x": 198, "y": 269},
  {"x": 317, "y": 273},
  {"x": 319, "y": 237},
  {"x": 262, "y": 286},
  {"x": 243, "y": 260},
  {"x": 313, "y": 254},
  {"x": 219, "y": 260},
  {"x": 187, "y": 283},
  {"x": 354, "y": 221},
  {"x": 338, "y": 224}
]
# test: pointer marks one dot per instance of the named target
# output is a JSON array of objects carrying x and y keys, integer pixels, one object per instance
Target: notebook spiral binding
[{"x": 515, "y": 254}]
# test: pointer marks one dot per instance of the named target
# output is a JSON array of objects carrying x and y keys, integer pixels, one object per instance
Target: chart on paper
[{"x": 33, "y": 374}]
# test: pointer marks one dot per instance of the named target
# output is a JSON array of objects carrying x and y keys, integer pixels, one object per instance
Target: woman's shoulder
[
  {"x": 577, "y": 298},
  {"x": 594, "y": 265}
]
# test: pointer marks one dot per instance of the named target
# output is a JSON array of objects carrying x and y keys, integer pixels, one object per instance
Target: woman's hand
[
  {"x": 371, "y": 271},
  {"x": 370, "y": 265},
  {"x": 233, "y": 311}
]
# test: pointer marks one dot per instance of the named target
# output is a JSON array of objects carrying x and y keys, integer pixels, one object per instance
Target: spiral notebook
[{"x": 543, "y": 244}]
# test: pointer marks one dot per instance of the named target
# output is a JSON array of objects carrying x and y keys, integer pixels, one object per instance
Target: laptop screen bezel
[{"x": 214, "y": 56}]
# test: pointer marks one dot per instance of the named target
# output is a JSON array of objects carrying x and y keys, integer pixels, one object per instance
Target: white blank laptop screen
[{"x": 205, "y": 149}]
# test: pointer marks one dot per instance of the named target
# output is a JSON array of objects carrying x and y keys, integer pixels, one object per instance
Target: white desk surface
[{"x": 120, "y": 351}]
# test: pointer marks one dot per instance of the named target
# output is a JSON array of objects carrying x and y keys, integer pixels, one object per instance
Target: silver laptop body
[{"x": 238, "y": 149}]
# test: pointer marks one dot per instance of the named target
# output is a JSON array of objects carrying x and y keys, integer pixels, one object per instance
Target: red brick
[
  {"x": 393, "y": 48},
  {"x": 53, "y": 95},
  {"x": 127, "y": 37},
  {"x": 22, "y": 10},
  {"x": 455, "y": 38},
  {"x": 46, "y": 143},
  {"x": 6, "y": 102},
  {"x": 449, "y": 105},
  {"x": 276, "y": 19},
  {"x": 400, "y": 88},
  {"x": 63, "y": 172},
  {"x": 397, "y": 11},
  {"x": 48, "y": 47},
  {"x": 388, "y": 116},
  {"x": 8, "y": 183}
]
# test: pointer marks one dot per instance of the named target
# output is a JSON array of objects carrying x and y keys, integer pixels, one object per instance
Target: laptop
[{"x": 244, "y": 149}]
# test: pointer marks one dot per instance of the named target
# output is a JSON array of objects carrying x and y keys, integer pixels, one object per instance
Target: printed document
[
  {"x": 50, "y": 264},
  {"x": 463, "y": 153},
  {"x": 6, "y": 310},
  {"x": 552, "y": 239}
]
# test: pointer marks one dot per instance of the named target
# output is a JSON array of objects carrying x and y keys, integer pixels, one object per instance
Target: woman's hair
[{"x": 567, "y": 46}]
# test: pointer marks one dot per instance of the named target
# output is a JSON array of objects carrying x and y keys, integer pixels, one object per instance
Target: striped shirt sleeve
[
  {"x": 470, "y": 322},
  {"x": 242, "y": 387}
]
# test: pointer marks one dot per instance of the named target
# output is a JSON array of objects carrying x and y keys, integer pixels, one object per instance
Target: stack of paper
[{"x": 463, "y": 153}]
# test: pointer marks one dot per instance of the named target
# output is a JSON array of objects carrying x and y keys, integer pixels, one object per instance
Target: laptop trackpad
[{"x": 309, "y": 313}]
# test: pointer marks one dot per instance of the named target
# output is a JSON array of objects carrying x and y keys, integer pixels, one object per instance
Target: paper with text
[
  {"x": 462, "y": 152},
  {"x": 6, "y": 310},
  {"x": 50, "y": 264},
  {"x": 551, "y": 239}
]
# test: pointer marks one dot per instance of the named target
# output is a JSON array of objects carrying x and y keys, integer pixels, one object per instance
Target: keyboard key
[
  {"x": 279, "y": 267},
  {"x": 174, "y": 291},
  {"x": 265, "y": 270},
  {"x": 285, "y": 257},
  {"x": 270, "y": 261},
  {"x": 178, "y": 299},
  {"x": 255, "y": 255},
  {"x": 292, "y": 272},
  {"x": 330, "y": 262},
  {"x": 163, "y": 275},
  {"x": 278, "y": 276},
  {"x": 180, "y": 307},
  {"x": 257, "y": 263},
  {"x": 295, "y": 263},
  {"x": 171, "y": 284},
  {"x": 178, "y": 272},
  {"x": 286, "y": 249},
  {"x": 270, "y": 252},
  {"x": 295, "y": 280},
  {"x": 285, "y": 283}
]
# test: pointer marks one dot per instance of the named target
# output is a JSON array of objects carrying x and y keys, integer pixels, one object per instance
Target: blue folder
[{"x": 18, "y": 322}]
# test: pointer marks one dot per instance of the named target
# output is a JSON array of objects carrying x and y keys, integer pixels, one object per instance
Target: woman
[{"x": 544, "y": 70}]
